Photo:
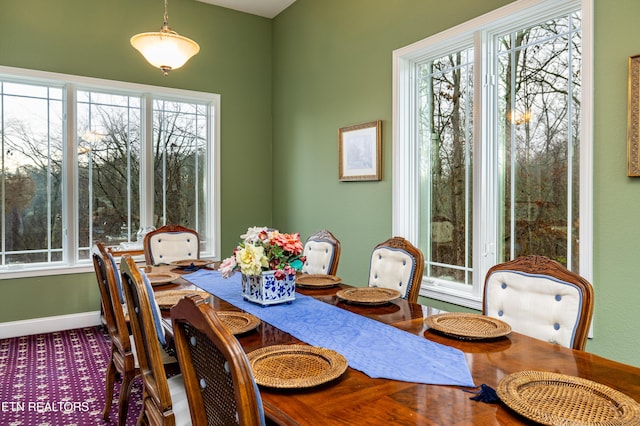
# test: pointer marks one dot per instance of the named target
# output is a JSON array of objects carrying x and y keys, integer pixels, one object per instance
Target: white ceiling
[{"x": 266, "y": 8}]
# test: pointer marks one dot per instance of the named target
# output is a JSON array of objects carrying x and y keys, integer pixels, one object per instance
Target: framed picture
[
  {"x": 633, "y": 119},
  {"x": 360, "y": 152}
]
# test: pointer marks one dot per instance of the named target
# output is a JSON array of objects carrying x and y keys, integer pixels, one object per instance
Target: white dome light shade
[{"x": 166, "y": 49}]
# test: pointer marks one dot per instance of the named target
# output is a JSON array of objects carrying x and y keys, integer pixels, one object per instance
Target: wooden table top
[{"x": 356, "y": 399}]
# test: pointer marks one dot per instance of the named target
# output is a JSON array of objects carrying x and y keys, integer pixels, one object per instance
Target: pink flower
[
  {"x": 288, "y": 270},
  {"x": 227, "y": 266},
  {"x": 288, "y": 242}
]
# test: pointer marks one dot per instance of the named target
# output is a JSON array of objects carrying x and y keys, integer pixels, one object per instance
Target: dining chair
[
  {"x": 170, "y": 243},
  {"x": 397, "y": 264},
  {"x": 539, "y": 297},
  {"x": 164, "y": 400},
  {"x": 123, "y": 360},
  {"x": 322, "y": 253},
  {"x": 220, "y": 386}
]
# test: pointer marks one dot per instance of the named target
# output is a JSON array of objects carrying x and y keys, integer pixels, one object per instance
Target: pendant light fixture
[{"x": 165, "y": 49}]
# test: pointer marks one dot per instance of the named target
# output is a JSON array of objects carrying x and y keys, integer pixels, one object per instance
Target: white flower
[{"x": 253, "y": 234}]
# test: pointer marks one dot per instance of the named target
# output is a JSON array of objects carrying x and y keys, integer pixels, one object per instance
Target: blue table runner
[{"x": 378, "y": 350}]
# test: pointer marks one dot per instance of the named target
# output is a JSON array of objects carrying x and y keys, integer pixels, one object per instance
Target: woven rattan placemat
[
  {"x": 463, "y": 325},
  {"x": 238, "y": 322},
  {"x": 368, "y": 295},
  {"x": 159, "y": 278},
  {"x": 168, "y": 298},
  {"x": 317, "y": 280},
  {"x": 295, "y": 366},
  {"x": 186, "y": 263},
  {"x": 554, "y": 399}
]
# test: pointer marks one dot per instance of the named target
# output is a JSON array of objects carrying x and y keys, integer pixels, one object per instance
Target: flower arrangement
[{"x": 262, "y": 249}]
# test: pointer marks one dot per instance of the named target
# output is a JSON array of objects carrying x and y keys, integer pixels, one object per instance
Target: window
[
  {"x": 491, "y": 151},
  {"x": 88, "y": 160}
]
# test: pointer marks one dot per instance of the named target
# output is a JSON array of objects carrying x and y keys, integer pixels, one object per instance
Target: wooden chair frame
[
  {"x": 156, "y": 398},
  {"x": 148, "y": 253},
  {"x": 122, "y": 358},
  {"x": 327, "y": 236},
  {"x": 416, "y": 253},
  {"x": 193, "y": 317},
  {"x": 542, "y": 265}
]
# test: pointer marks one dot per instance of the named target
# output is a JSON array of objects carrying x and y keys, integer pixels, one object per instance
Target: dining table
[{"x": 355, "y": 398}]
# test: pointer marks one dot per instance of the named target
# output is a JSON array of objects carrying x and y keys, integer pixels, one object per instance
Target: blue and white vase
[{"x": 265, "y": 289}]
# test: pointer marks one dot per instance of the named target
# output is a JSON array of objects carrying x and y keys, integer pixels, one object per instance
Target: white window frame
[
  {"x": 405, "y": 192},
  {"x": 70, "y": 84}
]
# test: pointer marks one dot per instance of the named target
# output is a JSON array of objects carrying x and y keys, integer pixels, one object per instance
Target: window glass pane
[
  {"x": 37, "y": 158},
  {"x": 539, "y": 109},
  {"x": 31, "y": 177},
  {"x": 499, "y": 174},
  {"x": 180, "y": 164},
  {"x": 32, "y": 91},
  {"x": 445, "y": 132},
  {"x": 108, "y": 149}
]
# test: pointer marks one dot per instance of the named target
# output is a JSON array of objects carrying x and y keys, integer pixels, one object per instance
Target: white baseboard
[{"x": 49, "y": 324}]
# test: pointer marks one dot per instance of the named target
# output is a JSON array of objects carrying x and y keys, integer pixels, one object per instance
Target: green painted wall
[
  {"x": 616, "y": 196},
  {"x": 287, "y": 85},
  {"x": 332, "y": 68},
  {"x": 91, "y": 38}
]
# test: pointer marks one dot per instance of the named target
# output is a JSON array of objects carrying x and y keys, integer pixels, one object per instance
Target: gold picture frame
[
  {"x": 633, "y": 119},
  {"x": 360, "y": 152}
]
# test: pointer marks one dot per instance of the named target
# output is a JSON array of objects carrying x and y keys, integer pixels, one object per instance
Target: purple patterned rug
[{"x": 58, "y": 379}]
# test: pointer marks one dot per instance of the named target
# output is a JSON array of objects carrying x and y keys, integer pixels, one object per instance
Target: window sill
[
  {"x": 451, "y": 296},
  {"x": 23, "y": 271},
  {"x": 26, "y": 271}
]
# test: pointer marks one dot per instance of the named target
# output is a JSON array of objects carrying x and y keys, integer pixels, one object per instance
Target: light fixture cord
[{"x": 166, "y": 15}]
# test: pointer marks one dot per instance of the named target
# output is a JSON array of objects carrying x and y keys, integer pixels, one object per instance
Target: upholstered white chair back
[
  {"x": 319, "y": 257},
  {"x": 322, "y": 252},
  {"x": 167, "y": 248},
  {"x": 539, "y": 306},
  {"x": 392, "y": 268},
  {"x": 171, "y": 243}
]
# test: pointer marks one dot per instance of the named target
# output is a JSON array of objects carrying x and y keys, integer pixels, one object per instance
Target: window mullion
[
  {"x": 405, "y": 173},
  {"x": 163, "y": 135},
  {"x": 90, "y": 171},
  {"x": 3, "y": 213},
  {"x": 129, "y": 175},
  {"x": 70, "y": 199},
  {"x": 485, "y": 167},
  {"x": 146, "y": 163},
  {"x": 469, "y": 155},
  {"x": 570, "y": 146},
  {"x": 586, "y": 144},
  {"x": 213, "y": 152},
  {"x": 512, "y": 155}
]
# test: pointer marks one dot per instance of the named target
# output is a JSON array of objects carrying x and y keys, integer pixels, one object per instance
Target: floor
[{"x": 58, "y": 379}]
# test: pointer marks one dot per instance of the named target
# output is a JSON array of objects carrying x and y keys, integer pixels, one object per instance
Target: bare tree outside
[
  {"x": 108, "y": 151},
  {"x": 108, "y": 170},
  {"x": 31, "y": 179},
  {"x": 538, "y": 109},
  {"x": 180, "y": 165},
  {"x": 447, "y": 96},
  {"x": 539, "y": 86}
]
